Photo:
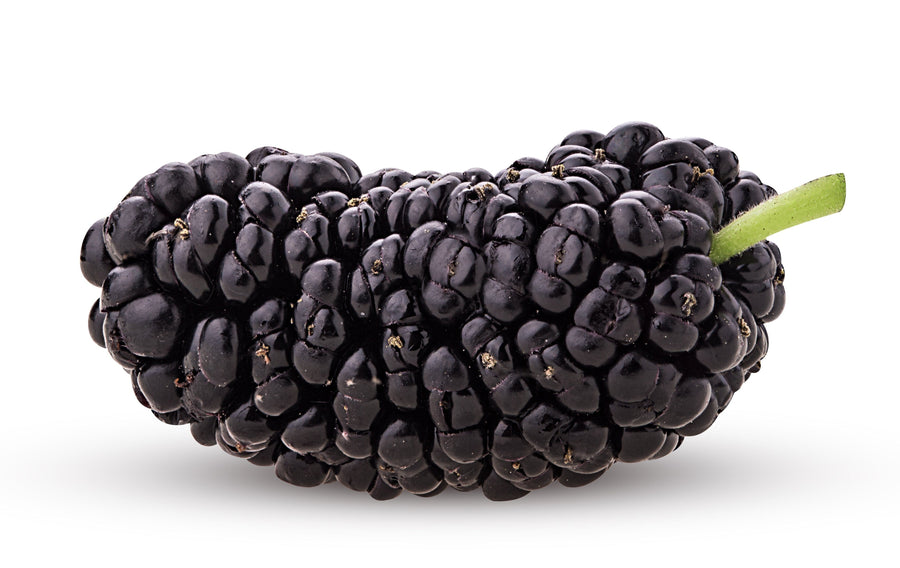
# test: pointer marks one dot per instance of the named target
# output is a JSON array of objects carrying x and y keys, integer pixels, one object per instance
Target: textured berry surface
[{"x": 397, "y": 331}]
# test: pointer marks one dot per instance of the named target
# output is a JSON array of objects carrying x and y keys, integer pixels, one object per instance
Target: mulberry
[{"x": 398, "y": 331}]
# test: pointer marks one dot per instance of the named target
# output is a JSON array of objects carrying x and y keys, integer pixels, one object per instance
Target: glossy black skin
[
  {"x": 95, "y": 324},
  {"x": 173, "y": 187},
  {"x": 400, "y": 332},
  {"x": 95, "y": 261},
  {"x": 130, "y": 226},
  {"x": 223, "y": 175},
  {"x": 626, "y": 143}
]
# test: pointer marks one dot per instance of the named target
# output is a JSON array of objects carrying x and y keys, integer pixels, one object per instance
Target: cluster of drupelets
[{"x": 396, "y": 331}]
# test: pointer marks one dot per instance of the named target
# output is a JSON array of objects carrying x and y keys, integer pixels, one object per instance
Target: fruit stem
[{"x": 811, "y": 200}]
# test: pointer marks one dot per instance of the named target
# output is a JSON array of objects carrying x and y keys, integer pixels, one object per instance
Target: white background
[{"x": 802, "y": 467}]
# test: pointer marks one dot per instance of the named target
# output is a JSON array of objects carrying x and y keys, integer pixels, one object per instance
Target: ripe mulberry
[{"x": 398, "y": 331}]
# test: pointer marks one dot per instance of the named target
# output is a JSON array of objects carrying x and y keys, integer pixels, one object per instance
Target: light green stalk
[{"x": 811, "y": 200}]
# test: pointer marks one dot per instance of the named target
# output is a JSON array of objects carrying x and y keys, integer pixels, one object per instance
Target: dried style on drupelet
[{"x": 412, "y": 332}]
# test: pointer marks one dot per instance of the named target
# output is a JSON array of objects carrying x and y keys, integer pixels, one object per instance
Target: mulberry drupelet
[{"x": 398, "y": 331}]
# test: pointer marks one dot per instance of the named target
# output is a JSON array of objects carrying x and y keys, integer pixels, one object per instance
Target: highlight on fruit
[{"x": 412, "y": 332}]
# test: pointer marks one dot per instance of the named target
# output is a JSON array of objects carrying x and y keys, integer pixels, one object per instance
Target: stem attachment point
[{"x": 811, "y": 200}]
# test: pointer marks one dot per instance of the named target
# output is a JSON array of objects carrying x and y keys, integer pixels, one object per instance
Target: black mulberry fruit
[{"x": 397, "y": 331}]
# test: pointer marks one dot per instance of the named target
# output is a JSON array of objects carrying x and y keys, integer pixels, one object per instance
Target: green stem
[{"x": 811, "y": 200}]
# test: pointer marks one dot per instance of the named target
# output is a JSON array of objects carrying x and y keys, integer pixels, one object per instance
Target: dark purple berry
[{"x": 402, "y": 332}]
